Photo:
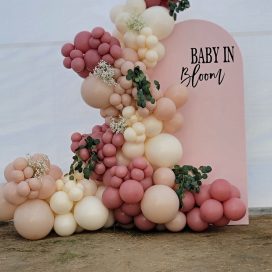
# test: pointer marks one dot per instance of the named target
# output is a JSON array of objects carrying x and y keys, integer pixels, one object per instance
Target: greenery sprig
[
  {"x": 86, "y": 167},
  {"x": 189, "y": 178},
  {"x": 143, "y": 86},
  {"x": 177, "y": 6}
]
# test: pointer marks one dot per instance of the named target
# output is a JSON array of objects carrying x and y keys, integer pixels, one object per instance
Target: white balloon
[
  {"x": 60, "y": 203},
  {"x": 110, "y": 220},
  {"x": 90, "y": 213},
  {"x": 121, "y": 21},
  {"x": 159, "y": 20},
  {"x": 163, "y": 150},
  {"x": 115, "y": 11},
  {"x": 65, "y": 224},
  {"x": 135, "y": 6}
]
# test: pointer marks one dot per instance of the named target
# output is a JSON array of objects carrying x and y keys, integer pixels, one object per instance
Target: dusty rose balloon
[
  {"x": 151, "y": 3},
  {"x": 146, "y": 183},
  {"x": 78, "y": 65},
  {"x": 84, "y": 73},
  {"x": 94, "y": 43},
  {"x": 164, "y": 176},
  {"x": 129, "y": 55},
  {"x": 48, "y": 187},
  {"x": 143, "y": 223},
  {"x": 55, "y": 172},
  {"x": 116, "y": 51},
  {"x": 203, "y": 195},
  {"x": 223, "y": 221},
  {"x": 11, "y": 195},
  {"x": 121, "y": 217},
  {"x": 81, "y": 41},
  {"x": 108, "y": 58},
  {"x": 235, "y": 192},
  {"x": 188, "y": 202},
  {"x": 220, "y": 190},
  {"x": 91, "y": 59},
  {"x": 234, "y": 209},
  {"x": 137, "y": 174},
  {"x": 175, "y": 124},
  {"x": 139, "y": 162},
  {"x": 8, "y": 172},
  {"x": 67, "y": 62},
  {"x": 103, "y": 49},
  {"x": 131, "y": 191},
  {"x": 76, "y": 54},
  {"x": 195, "y": 221},
  {"x": 111, "y": 198},
  {"x": 178, "y": 94},
  {"x": 28, "y": 172},
  {"x": 96, "y": 93},
  {"x": 6, "y": 209},
  {"x": 178, "y": 223},
  {"x": 165, "y": 109},
  {"x": 131, "y": 209},
  {"x": 160, "y": 204},
  {"x": 34, "y": 219},
  {"x": 211, "y": 210},
  {"x": 106, "y": 38},
  {"x": 66, "y": 49},
  {"x": 23, "y": 189},
  {"x": 98, "y": 32}
]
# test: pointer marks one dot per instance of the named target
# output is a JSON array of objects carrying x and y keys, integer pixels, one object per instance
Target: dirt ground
[{"x": 232, "y": 248}]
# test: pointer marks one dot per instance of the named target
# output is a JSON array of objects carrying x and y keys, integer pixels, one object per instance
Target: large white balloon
[
  {"x": 65, "y": 224},
  {"x": 115, "y": 11},
  {"x": 163, "y": 150},
  {"x": 90, "y": 213},
  {"x": 159, "y": 20},
  {"x": 135, "y": 6}
]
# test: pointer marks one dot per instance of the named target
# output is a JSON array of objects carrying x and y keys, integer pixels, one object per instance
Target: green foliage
[
  {"x": 157, "y": 84},
  {"x": 143, "y": 86},
  {"x": 189, "y": 178},
  {"x": 86, "y": 167},
  {"x": 177, "y": 6}
]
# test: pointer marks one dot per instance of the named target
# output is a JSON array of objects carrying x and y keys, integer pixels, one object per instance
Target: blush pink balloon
[
  {"x": 111, "y": 198},
  {"x": 91, "y": 59},
  {"x": 98, "y": 32},
  {"x": 106, "y": 38},
  {"x": 137, "y": 174},
  {"x": 131, "y": 209},
  {"x": 103, "y": 49},
  {"x": 220, "y": 190},
  {"x": 131, "y": 191},
  {"x": 151, "y": 3},
  {"x": 116, "y": 51},
  {"x": 121, "y": 171},
  {"x": 188, "y": 202},
  {"x": 118, "y": 140},
  {"x": 140, "y": 163},
  {"x": 23, "y": 189},
  {"x": 8, "y": 172},
  {"x": 203, "y": 194},
  {"x": 55, "y": 172},
  {"x": 108, "y": 58},
  {"x": 48, "y": 187},
  {"x": 146, "y": 183},
  {"x": 81, "y": 41},
  {"x": 235, "y": 192},
  {"x": 142, "y": 223},
  {"x": 121, "y": 217},
  {"x": 94, "y": 43},
  {"x": 109, "y": 150},
  {"x": 6, "y": 209},
  {"x": 195, "y": 221},
  {"x": 234, "y": 209},
  {"x": 165, "y": 109},
  {"x": 18, "y": 176},
  {"x": 11, "y": 195},
  {"x": 223, "y": 221},
  {"x": 211, "y": 210}
]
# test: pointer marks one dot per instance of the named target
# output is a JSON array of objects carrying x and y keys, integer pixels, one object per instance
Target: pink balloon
[
  {"x": 84, "y": 73},
  {"x": 131, "y": 209},
  {"x": 91, "y": 59},
  {"x": 235, "y": 192},
  {"x": 23, "y": 189},
  {"x": 234, "y": 209},
  {"x": 103, "y": 49},
  {"x": 81, "y": 41},
  {"x": 137, "y": 174},
  {"x": 110, "y": 161},
  {"x": 114, "y": 41},
  {"x": 121, "y": 171},
  {"x": 109, "y": 150},
  {"x": 223, "y": 221},
  {"x": 220, "y": 190},
  {"x": 116, "y": 51},
  {"x": 18, "y": 175},
  {"x": 6, "y": 209},
  {"x": 55, "y": 172},
  {"x": 11, "y": 195},
  {"x": 8, "y": 172},
  {"x": 165, "y": 109},
  {"x": 203, "y": 194},
  {"x": 94, "y": 43},
  {"x": 131, "y": 191},
  {"x": 188, "y": 202},
  {"x": 74, "y": 146},
  {"x": 66, "y": 49},
  {"x": 211, "y": 210},
  {"x": 148, "y": 171},
  {"x": 76, "y": 137},
  {"x": 118, "y": 140},
  {"x": 151, "y": 3},
  {"x": 35, "y": 184},
  {"x": 48, "y": 187},
  {"x": 121, "y": 217},
  {"x": 107, "y": 137},
  {"x": 98, "y": 32},
  {"x": 143, "y": 224},
  {"x": 33, "y": 195},
  {"x": 100, "y": 169},
  {"x": 107, "y": 178},
  {"x": 106, "y": 38},
  {"x": 76, "y": 54},
  {"x": 116, "y": 182},
  {"x": 146, "y": 183},
  {"x": 195, "y": 221},
  {"x": 111, "y": 198},
  {"x": 140, "y": 163},
  {"x": 78, "y": 65},
  {"x": 108, "y": 58}
]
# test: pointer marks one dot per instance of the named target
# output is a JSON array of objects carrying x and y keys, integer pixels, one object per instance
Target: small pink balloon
[
  {"x": 76, "y": 54},
  {"x": 131, "y": 191},
  {"x": 33, "y": 195},
  {"x": 116, "y": 182},
  {"x": 203, "y": 194},
  {"x": 98, "y": 32},
  {"x": 106, "y": 38},
  {"x": 188, "y": 202},
  {"x": 151, "y": 3},
  {"x": 211, "y": 210},
  {"x": 103, "y": 49},
  {"x": 126, "y": 66},
  {"x": 81, "y": 41},
  {"x": 74, "y": 146},
  {"x": 121, "y": 217},
  {"x": 78, "y": 65},
  {"x": 118, "y": 139},
  {"x": 146, "y": 183},
  {"x": 85, "y": 73},
  {"x": 66, "y": 49},
  {"x": 108, "y": 58},
  {"x": 94, "y": 43},
  {"x": 84, "y": 154},
  {"x": 235, "y": 192},
  {"x": 148, "y": 171},
  {"x": 109, "y": 150},
  {"x": 6, "y": 209},
  {"x": 28, "y": 172},
  {"x": 121, "y": 171},
  {"x": 114, "y": 41},
  {"x": 23, "y": 189},
  {"x": 129, "y": 55},
  {"x": 76, "y": 137},
  {"x": 18, "y": 176},
  {"x": 116, "y": 51},
  {"x": 111, "y": 198},
  {"x": 100, "y": 168},
  {"x": 165, "y": 109},
  {"x": 48, "y": 187},
  {"x": 131, "y": 209},
  {"x": 35, "y": 184},
  {"x": 8, "y": 172},
  {"x": 107, "y": 178},
  {"x": 91, "y": 59},
  {"x": 195, "y": 221},
  {"x": 11, "y": 195},
  {"x": 137, "y": 174},
  {"x": 67, "y": 62},
  {"x": 234, "y": 209},
  {"x": 20, "y": 164},
  {"x": 107, "y": 137},
  {"x": 140, "y": 163},
  {"x": 223, "y": 221},
  {"x": 110, "y": 161},
  {"x": 220, "y": 190},
  {"x": 142, "y": 223},
  {"x": 55, "y": 172}
]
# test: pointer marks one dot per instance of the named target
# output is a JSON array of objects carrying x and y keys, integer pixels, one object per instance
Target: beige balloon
[
  {"x": 6, "y": 209},
  {"x": 96, "y": 93},
  {"x": 178, "y": 94},
  {"x": 34, "y": 219},
  {"x": 175, "y": 124}
]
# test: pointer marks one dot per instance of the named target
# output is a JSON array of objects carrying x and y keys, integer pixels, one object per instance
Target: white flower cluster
[
  {"x": 105, "y": 72},
  {"x": 118, "y": 125}
]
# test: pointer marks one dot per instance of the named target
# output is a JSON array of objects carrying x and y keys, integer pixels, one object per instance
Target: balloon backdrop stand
[{"x": 125, "y": 172}]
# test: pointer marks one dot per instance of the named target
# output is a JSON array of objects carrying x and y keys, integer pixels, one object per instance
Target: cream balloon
[
  {"x": 135, "y": 6},
  {"x": 163, "y": 150},
  {"x": 121, "y": 21},
  {"x": 160, "y": 49},
  {"x": 115, "y": 11},
  {"x": 110, "y": 221},
  {"x": 60, "y": 203},
  {"x": 6, "y": 209},
  {"x": 121, "y": 159},
  {"x": 100, "y": 191},
  {"x": 133, "y": 150},
  {"x": 96, "y": 93},
  {"x": 33, "y": 219},
  {"x": 160, "y": 204},
  {"x": 153, "y": 126},
  {"x": 130, "y": 40},
  {"x": 178, "y": 223},
  {"x": 164, "y": 176},
  {"x": 90, "y": 187},
  {"x": 90, "y": 213},
  {"x": 75, "y": 194},
  {"x": 159, "y": 20},
  {"x": 65, "y": 224}
]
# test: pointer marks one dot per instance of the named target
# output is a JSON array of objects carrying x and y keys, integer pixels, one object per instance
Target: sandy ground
[{"x": 232, "y": 248}]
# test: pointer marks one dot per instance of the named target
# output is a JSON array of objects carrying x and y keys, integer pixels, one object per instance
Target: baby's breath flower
[
  {"x": 39, "y": 166},
  {"x": 105, "y": 72},
  {"x": 118, "y": 125},
  {"x": 135, "y": 23}
]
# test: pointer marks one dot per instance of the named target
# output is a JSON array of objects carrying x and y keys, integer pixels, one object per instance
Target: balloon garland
[{"x": 124, "y": 172}]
